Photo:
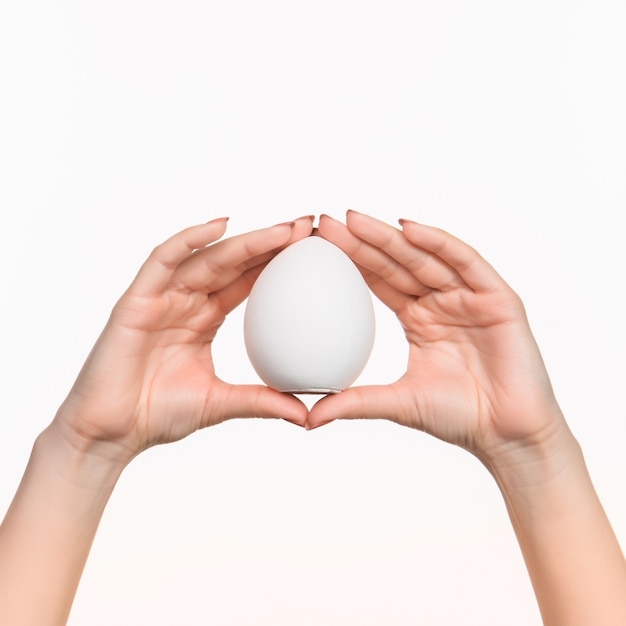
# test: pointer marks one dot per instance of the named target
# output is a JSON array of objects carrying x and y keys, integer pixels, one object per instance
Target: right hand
[{"x": 150, "y": 377}]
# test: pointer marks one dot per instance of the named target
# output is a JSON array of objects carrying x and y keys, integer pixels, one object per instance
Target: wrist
[
  {"x": 544, "y": 484},
  {"x": 49, "y": 528},
  {"x": 572, "y": 554},
  {"x": 535, "y": 461},
  {"x": 92, "y": 464}
]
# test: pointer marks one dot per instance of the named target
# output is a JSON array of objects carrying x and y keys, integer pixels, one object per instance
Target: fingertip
[
  {"x": 419, "y": 227},
  {"x": 418, "y": 233},
  {"x": 159, "y": 267},
  {"x": 281, "y": 405},
  {"x": 313, "y": 426},
  {"x": 321, "y": 224},
  {"x": 303, "y": 227},
  {"x": 220, "y": 224},
  {"x": 330, "y": 408},
  {"x": 294, "y": 422},
  {"x": 351, "y": 214},
  {"x": 365, "y": 226},
  {"x": 297, "y": 416},
  {"x": 328, "y": 225},
  {"x": 324, "y": 217}
]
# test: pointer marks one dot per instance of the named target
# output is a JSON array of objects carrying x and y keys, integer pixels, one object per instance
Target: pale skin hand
[
  {"x": 475, "y": 378},
  {"x": 150, "y": 379}
]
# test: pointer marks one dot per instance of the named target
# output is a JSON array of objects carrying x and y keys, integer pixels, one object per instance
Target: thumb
[
  {"x": 261, "y": 401},
  {"x": 370, "y": 402}
]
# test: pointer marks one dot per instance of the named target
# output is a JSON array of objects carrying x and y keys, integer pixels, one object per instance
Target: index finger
[{"x": 216, "y": 266}]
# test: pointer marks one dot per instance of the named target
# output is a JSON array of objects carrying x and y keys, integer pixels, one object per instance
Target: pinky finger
[{"x": 159, "y": 268}]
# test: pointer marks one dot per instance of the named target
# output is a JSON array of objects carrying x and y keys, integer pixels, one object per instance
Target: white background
[{"x": 123, "y": 122}]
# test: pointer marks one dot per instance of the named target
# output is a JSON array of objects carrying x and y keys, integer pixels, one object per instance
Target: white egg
[{"x": 309, "y": 320}]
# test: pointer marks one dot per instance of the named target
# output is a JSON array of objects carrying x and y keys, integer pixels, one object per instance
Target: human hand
[
  {"x": 475, "y": 376},
  {"x": 150, "y": 378}
]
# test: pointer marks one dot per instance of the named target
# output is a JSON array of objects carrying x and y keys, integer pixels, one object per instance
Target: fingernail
[
  {"x": 306, "y": 217},
  {"x": 290, "y": 224},
  {"x": 286, "y": 419},
  {"x": 403, "y": 221},
  {"x": 218, "y": 219},
  {"x": 313, "y": 427}
]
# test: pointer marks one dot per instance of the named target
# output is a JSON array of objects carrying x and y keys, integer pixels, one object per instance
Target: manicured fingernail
[
  {"x": 290, "y": 224},
  {"x": 402, "y": 221},
  {"x": 218, "y": 219},
  {"x": 306, "y": 217}
]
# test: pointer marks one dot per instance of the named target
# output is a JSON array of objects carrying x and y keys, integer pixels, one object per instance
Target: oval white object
[{"x": 309, "y": 321}]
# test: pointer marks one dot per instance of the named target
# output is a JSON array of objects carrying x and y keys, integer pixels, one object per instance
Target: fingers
[
  {"x": 467, "y": 262},
  {"x": 213, "y": 267},
  {"x": 386, "y": 293},
  {"x": 160, "y": 266},
  {"x": 426, "y": 268},
  {"x": 236, "y": 292},
  {"x": 216, "y": 266},
  {"x": 302, "y": 227},
  {"x": 371, "y": 256},
  {"x": 415, "y": 260},
  {"x": 188, "y": 261}
]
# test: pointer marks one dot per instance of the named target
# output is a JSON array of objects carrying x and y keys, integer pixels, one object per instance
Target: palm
[
  {"x": 474, "y": 373},
  {"x": 150, "y": 378},
  {"x": 169, "y": 364},
  {"x": 461, "y": 381}
]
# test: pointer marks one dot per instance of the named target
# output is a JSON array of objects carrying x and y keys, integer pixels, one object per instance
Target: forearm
[
  {"x": 573, "y": 557},
  {"x": 48, "y": 530}
]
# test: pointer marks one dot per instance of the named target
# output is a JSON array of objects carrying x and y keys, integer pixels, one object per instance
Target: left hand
[{"x": 474, "y": 376}]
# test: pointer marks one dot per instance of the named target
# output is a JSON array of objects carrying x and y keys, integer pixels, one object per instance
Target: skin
[
  {"x": 148, "y": 380},
  {"x": 474, "y": 378}
]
